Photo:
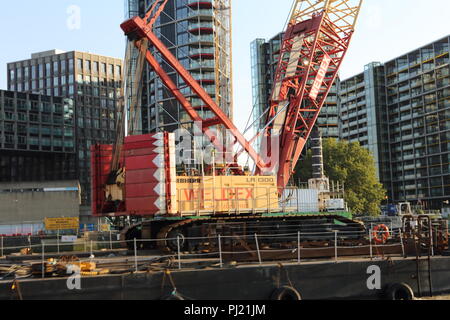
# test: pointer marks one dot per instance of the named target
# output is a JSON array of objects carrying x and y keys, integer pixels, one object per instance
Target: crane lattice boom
[{"x": 314, "y": 45}]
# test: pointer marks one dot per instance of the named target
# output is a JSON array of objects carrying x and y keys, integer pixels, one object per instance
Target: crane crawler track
[{"x": 202, "y": 234}]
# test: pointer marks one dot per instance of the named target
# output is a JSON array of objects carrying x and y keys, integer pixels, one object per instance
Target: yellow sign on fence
[
  {"x": 61, "y": 223},
  {"x": 105, "y": 227}
]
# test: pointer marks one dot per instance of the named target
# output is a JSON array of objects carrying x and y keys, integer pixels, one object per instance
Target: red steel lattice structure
[
  {"x": 313, "y": 48},
  {"x": 312, "y": 51}
]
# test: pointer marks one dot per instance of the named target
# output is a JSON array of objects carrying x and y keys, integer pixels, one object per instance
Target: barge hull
[{"x": 328, "y": 280}]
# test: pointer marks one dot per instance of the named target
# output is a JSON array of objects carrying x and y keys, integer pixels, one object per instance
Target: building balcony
[
  {"x": 208, "y": 39},
  {"x": 202, "y": 56},
  {"x": 361, "y": 103},
  {"x": 353, "y": 124},
  {"x": 362, "y": 112},
  {"x": 205, "y": 64},
  {"x": 203, "y": 50},
  {"x": 405, "y": 108},
  {"x": 351, "y": 88},
  {"x": 203, "y": 4},
  {"x": 408, "y": 147},
  {"x": 201, "y": 28},
  {"x": 408, "y": 157},
  {"x": 202, "y": 13}
]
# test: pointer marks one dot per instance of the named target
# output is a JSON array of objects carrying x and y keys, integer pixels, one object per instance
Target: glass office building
[
  {"x": 91, "y": 81},
  {"x": 37, "y": 138}
]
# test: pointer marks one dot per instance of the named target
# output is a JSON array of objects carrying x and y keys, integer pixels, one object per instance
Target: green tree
[{"x": 355, "y": 167}]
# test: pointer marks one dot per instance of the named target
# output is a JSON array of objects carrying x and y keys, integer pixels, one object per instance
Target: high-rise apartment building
[
  {"x": 37, "y": 138},
  {"x": 93, "y": 83},
  {"x": 400, "y": 110},
  {"x": 198, "y": 33},
  {"x": 264, "y": 60}
]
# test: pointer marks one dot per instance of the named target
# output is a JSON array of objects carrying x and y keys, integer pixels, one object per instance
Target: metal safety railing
[{"x": 259, "y": 246}]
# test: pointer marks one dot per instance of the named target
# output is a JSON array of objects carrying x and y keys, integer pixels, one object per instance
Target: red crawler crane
[{"x": 145, "y": 182}]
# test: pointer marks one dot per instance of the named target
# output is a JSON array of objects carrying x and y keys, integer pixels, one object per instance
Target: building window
[
  {"x": 103, "y": 70},
  {"x": 47, "y": 69},
  {"x": 95, "y": 66},
  {"x": 55, "y": 67},
  {"x": 33, "y": 72},
  {"x": 87, "y": 65},
  {"x": 80, "y": 65},
  {"x": 70, "y": 65},
  {"x": 118, "y": 71}
]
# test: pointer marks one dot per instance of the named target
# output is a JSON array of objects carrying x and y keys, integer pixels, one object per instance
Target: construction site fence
[{"x": 47, "y": 249}]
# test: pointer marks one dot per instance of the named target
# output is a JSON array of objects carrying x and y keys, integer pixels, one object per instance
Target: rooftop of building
[
  {"x": 47, "y": 53},
  {"x": 53, "y": 52},
  {"x": 421, "y": 47},
  {"x": 400, "y": 56},
  {"x": 30, "y": 95}
]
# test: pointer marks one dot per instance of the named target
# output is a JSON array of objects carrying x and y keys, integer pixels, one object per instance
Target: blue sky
[{"x": 386, "y": 29}]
